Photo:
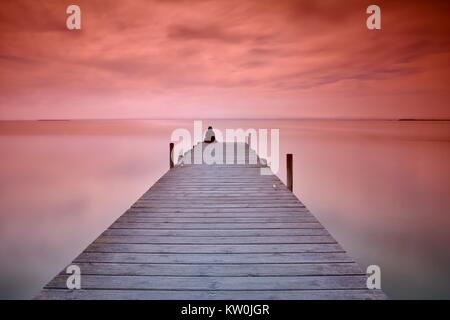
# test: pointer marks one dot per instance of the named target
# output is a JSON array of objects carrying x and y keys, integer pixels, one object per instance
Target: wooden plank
[
  {"x": 242, "y": 258},
  {"x": 217, "y": 283},
  {"x": 217, "y": 205},
  {"x": 210, "y": 216},
  {"x": 214, "y": 270},
  {"x": 215, "y": 233},
  {"x": 215, "y": 220},
  {"x": 213, "y": 240},
  {"x": 186, "y": 203},
  {"x": 215, "y": 248},
  {"x": 212, "y": 294},
  {"x": 221, "y": 210},
  {"x": 216, "y": 226}
]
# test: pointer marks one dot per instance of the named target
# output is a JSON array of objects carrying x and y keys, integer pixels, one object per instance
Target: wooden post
[
  {"x": 170, "y": 155},
  {"x": 249, "y": 141},
  {"x": 289, "y": 171}
]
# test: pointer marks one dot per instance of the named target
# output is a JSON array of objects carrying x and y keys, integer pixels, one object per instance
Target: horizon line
[{"x": 229, "y": 119}]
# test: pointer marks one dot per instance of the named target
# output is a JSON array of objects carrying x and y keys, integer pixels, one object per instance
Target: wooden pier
[{"x": 221, "y": 231}]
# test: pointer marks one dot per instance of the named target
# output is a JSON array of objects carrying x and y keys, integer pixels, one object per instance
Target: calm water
[{"x": 381, "y": 188}]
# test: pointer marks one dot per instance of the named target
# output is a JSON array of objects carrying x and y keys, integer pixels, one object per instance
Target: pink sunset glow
[{"x": 224, "y": 59}]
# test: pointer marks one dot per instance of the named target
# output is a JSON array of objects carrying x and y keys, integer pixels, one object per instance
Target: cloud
[{"x": 208, "y": 32}]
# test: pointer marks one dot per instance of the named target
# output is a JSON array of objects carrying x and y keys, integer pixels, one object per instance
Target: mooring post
[
  {"x": 249, "y": 141},
  {"x": 170, "y": 155},
  {"x": 289, "y": 171}
]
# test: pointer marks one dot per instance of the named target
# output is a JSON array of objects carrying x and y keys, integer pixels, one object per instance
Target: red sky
[{"x": 224, "y": 59}]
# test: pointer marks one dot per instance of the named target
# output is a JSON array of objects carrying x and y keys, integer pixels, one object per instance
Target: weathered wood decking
[{"x": 215, "y": 232}]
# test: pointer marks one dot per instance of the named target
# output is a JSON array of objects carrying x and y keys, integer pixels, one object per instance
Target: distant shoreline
[
  {"x": 423, "y": 120},
  {"x": 229, "y": 119}
]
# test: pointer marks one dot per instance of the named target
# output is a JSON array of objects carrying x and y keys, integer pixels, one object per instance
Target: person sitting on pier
[{"x": 210, "y": 135}]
